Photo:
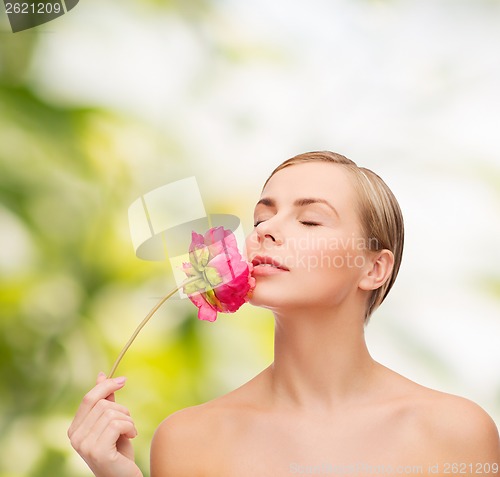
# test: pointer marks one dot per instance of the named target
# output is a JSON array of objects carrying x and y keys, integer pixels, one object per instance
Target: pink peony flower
[
  {"x": 224, "y": 278},
  {"x": 218, "y": 279}
]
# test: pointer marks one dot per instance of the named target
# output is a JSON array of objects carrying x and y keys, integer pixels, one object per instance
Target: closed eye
[
  {"x": 303, "y": 222},
  {"x": 309, "y": 224}
]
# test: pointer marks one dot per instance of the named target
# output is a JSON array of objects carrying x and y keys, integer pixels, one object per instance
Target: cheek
[
  {"x": 330, "y": 266},
  {"x": 320, "y": 255},
  {"x": 329, "y": 276}
]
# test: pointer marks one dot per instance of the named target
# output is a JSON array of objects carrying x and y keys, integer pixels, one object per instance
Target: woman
[{"x": 326, "y": 249}]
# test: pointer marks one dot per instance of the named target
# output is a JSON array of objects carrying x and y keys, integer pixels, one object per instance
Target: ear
[{"x": 379, "y": 266}]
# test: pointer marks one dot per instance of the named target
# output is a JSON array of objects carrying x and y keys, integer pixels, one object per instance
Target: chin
[
  {"x": 265, "y": 299},
  {"x": 273, "y": 300}
]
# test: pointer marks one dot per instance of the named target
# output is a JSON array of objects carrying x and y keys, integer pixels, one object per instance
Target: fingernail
[
  {"x": 100, "y": 374},
  {"x": 120, "y": 380}
]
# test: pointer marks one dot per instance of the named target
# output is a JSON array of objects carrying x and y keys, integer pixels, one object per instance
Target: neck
[{"x": 320, "y": 358}]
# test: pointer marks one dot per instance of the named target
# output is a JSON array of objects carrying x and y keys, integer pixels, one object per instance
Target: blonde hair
[{"x": 379, "y": 213}]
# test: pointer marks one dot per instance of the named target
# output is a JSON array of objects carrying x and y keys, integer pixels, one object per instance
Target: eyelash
[
  {"x": 310, "y": 224},
  {"x": 305, "y": 223}
]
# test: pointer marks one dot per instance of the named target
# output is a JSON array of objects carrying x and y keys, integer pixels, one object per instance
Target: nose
[
  {"x": 265, "y": 236},
  {"x": 268, "y": 231}
]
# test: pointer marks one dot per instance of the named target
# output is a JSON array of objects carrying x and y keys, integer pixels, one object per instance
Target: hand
[{"x": 102, "y": 429}]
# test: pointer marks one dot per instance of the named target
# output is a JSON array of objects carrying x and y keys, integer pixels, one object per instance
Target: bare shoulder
[
  {"x": 177, "y": 439},
  {"x": 187, "y": 442},
  {"x": 436, "y": 426},
  {"x": 453, "y": 428},
  {"x": 462, "y": 428},
  {"x": 180, "y": 443}
]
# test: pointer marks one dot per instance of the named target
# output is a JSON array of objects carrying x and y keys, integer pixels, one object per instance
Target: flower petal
[
  {"x": 225, "y": 279},
  {"x": 205, "y": 311}
]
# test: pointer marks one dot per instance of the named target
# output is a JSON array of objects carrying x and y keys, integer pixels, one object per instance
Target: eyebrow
[{"x": 267, "y": 201}]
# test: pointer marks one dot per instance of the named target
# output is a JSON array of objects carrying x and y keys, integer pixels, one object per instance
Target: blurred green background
[{"x": 117, "y": 98}]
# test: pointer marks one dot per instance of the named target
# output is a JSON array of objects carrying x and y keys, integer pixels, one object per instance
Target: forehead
[{"x": 315, "y": 179}]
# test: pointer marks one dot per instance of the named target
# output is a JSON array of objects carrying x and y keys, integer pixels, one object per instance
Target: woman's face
[{"x": 307, "y": 246}]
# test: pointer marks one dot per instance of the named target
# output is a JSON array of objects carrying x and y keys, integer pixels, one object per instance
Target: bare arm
[{"x": 102, "y": 429}]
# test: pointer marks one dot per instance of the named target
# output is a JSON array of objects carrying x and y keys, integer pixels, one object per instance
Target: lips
[{"x": 267, "y": 262}]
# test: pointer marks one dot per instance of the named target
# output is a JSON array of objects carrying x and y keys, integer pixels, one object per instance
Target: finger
[
  {"x": 105, "y": 448},
  {"x": 101, "y": 391},
  {"x": 109, "y": 419},
  {"x": 114, "y": 430},
  {"x": 99, "y": 417},
  {"x": 106, "y": 443},
  {"x": 102, "y": 409},
  {"x": 101, "y": 377}
]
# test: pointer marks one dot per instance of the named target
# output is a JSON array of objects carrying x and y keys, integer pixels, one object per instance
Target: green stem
[{"x": 143, "y": 323}]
